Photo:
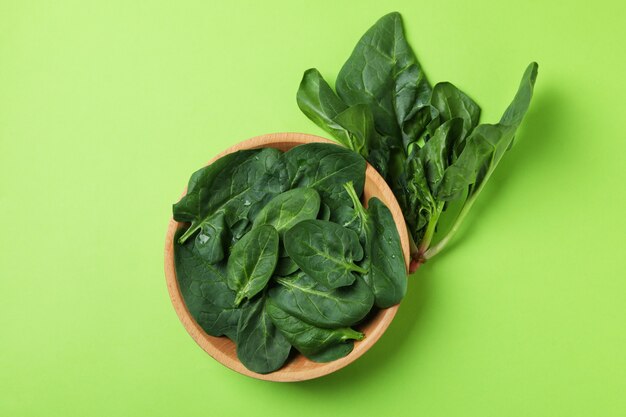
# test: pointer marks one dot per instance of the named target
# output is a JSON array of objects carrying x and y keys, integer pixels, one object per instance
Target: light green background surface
[{"x": 106, "y": 108}]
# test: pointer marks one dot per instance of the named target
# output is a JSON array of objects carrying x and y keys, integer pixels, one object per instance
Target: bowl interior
[{"x": 297, "y": 368}]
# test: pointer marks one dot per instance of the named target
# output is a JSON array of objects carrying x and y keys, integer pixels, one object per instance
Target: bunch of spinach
[
  {"x": 425, "y": 140},
  {"x": 276, "y": 251}
]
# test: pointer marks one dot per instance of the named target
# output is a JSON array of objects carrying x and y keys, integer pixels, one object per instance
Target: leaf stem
[
  {"x": 434, "y": 250},
  {"x": 430, "y": 230},
  {"x": 413, "y": 247},
  {"x": 358, "y": 269},
  {"x": 239, "y": 298},
  {"x": 188, "y": 233},
  {"x": 356, "y": 201}
]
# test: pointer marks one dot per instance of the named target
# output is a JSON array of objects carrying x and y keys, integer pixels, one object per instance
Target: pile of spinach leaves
[
  {"x": 425, "y": 140},
  {"x": 277, "y": 251}
]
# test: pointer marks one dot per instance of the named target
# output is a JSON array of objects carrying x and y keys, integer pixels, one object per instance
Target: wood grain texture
[{"x": 297, "y": 368}]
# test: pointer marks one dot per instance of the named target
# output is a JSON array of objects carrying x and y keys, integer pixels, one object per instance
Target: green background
[{"x": 106, "y": 107}]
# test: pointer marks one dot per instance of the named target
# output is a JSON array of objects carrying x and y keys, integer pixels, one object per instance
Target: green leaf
[
  {"x": 414, "y": 196},
  {"x": 238, "y": 230},
  {"x": 325, "y": 168},
  {"x": 348, "y": 217},
  {"x": 325, "y": 251},
  {"x": 359, "y": 123},
  {"x": 210, "y": 240},
  {"x": 426, "y": 142},
  {"x": 383, "y": 73},
  {"x": 261, "y": 347},
  {"x": 450, "y": 102},
  {"x": 387, "y": 270},
  {"x": 324, "y": 213},
  {"x": 289, "y": 208},
  {"x": 383, "y": 259},
  {"x": 380, "y": 154},
  {"x": 285, "y": 267},
  {"x": 332, "y": 352},
  {"x": 352, "y": 126},
  {"x": 320, "y": 104},
  {"x": 205, "y": 292},
  {"x": 232, "y": 189},
  {"x": 252, "y": 262},
  {"x": 313, "y": 342},
  {"x": 487, "y": 144},
  {"x": 437, "y": 153},
  {"x": 303, "y": 297},
  {"x": 192, "y": 204}
]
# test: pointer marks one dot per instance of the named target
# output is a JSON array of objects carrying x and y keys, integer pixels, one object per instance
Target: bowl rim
[{"x": 281, "y": 375}]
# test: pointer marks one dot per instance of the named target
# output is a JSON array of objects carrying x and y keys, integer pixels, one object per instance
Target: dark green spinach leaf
[
  {"x": 261, "y": 347},
  {"x": 225, "y": 187},
  {"x": 325, "y": 251},
  {"x": 252, "y": 262},
  {"x": 285, "y": 267},
  {"x": 192, "y": 204},
  {"x": 383, "y": 259},
  {"x": 316, "y": 343},
  {"x": 289, "y": 208},
  {"x": 303, "y": 297},
  {"x": 426, "y": 142},
  {"x": 487, "y": 144},
  {"x": 383, "y": 73},
  {"x": 325, "y": 168},
  {"x": 238, "y": 230},
  {"x": 324, "y": 213},
  {"x": 320, "y": 103},
  {"x": 211, "y": 239},
  {"x": 205, "y": 292},
  {"x": 448, "y": 102}
]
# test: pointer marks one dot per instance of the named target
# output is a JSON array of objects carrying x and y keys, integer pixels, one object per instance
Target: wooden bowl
[{"x": 297, "y": 368}]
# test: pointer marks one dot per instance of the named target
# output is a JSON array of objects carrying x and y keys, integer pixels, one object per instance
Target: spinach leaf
[
  {"x": 231, "y": 191},
  {"x": 359, "y": 122},
  {"x": 289, "y": 208},
  {"x": 325, "y": 251},
  {"x": 261, "y": 347},
  {"x": 383, "y": 259},
  {"x": 324, "y": 213},
  {"x": 381, "y": 153},
  {"x": 320, "y": 104},
  {"x": 205, "y": 292},
  {"x": 414, "y": 195},
  {"x": 210, "y": 241},
  {"x": 438, "y": 152},
  {"x": 426, "y": 142},
  {"x": 383, "y": 73},
  {"x": 332, "y": 352},
  {"x": 316, "y": 343},
  {"x": 387, "y": 270},
  {"x": 303, "y": 297},
  {"x": 448, "y": 102},
  {"x": 325, "y": 168},
  {"x": 483, "y": 151},
  {"x": 198, "y": 189},
  {"x": 285, "y": 267},
  {"x": 238, "y": 230},
  {"x": 252, "y": 262},
  {"x": 348, "y": 217},
  {"x": 487, "y": 144},
  {"x": 352, "y": 126}
]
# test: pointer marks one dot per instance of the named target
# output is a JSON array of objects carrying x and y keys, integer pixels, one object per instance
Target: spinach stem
[
  {"x": 188, "y": 233},
  {"x": 358, "y": 269},
  {"x": 434, "y": 250},
  {"x": 413, "y": 247},
  {"x": 430, "y": 230},
  {"x": 356, "y": 201}
]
